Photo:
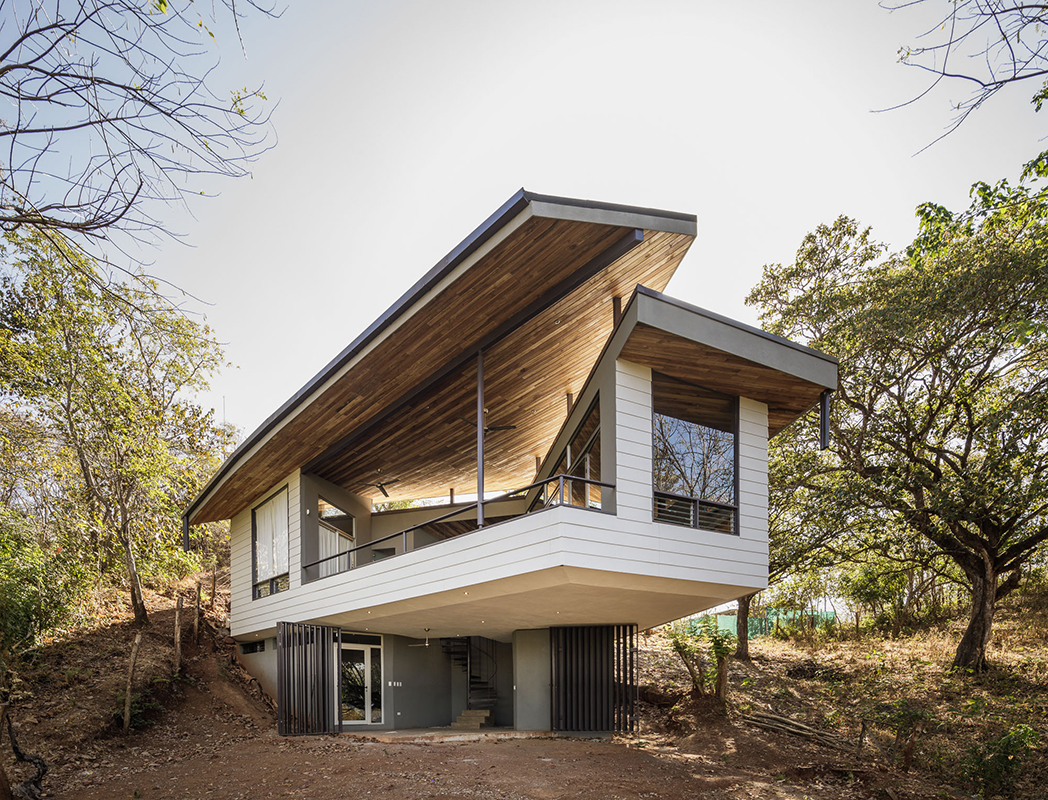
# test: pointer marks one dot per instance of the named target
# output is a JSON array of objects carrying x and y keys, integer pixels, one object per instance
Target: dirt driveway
[{"x": 325, "y": 767}]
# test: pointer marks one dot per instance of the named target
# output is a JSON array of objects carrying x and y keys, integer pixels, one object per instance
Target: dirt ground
[
  {"x": 218, "y": 742},
  {"x": 212, "y": 735},
  {"x": 228, "y": 766}
]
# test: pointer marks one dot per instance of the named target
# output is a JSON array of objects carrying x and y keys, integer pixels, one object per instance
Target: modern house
[{"x": 616, "y": 438}]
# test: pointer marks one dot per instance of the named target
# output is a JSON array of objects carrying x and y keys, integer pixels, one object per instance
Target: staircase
[
  {"x": 476, "y": 656},
  {"x": 473, "y": 719}
]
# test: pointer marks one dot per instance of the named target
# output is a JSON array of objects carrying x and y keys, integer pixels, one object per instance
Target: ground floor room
[{"x": 564, "y": 679}]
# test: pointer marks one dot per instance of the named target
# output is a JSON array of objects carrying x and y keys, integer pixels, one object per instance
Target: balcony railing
[
  {"x": 559, "y": 490},
  {"x": 707, "y": 515}
]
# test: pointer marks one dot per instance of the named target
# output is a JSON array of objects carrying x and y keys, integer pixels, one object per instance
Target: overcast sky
[{"x": 400, "y": 126}]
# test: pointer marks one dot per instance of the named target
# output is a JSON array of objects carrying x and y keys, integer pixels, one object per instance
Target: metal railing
[
  {"x": 694, "y": 512},
  {"x": 563, "y": 496}
]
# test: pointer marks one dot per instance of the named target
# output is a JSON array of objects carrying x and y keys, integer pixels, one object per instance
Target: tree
[
  {"x": 941, "y": 417},
  {"x": 108, "y": 373},
  {"x": 696, "y": 640},
  {"x": 110, "y": 110},
  {"x": 809, "y": 529},
  {"x": 988, "y": 44}
]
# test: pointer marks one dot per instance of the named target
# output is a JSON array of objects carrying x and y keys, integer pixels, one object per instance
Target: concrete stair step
[
  {"x": 473, "y": 724},
  {"x": 477, "y": 712}
]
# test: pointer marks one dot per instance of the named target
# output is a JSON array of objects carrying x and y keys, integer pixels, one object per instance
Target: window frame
[
  {"x": 323, "y": 525},
  {"x": 695, "y": 517},
  {"x": 571, "y": 460},
  {"x": 276, "y": 583}
]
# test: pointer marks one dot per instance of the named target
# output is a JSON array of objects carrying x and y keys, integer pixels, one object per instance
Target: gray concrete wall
[
  {"x": 423, "y": 689},
  {"x": 531, "y": 675},
  {"x": 263, "y": 667},
  {"x": 502, "y": 715},
  {"x": 313, "y": 487},
  {"x": 421, "y": 678}
]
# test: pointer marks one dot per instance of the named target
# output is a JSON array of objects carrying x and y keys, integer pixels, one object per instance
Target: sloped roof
[{"x": 533, "y": 286}]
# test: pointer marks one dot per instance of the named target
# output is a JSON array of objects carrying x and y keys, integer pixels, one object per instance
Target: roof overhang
[
  {"x": 719, "y": 353},
  {"x": 532, "y": 286}
]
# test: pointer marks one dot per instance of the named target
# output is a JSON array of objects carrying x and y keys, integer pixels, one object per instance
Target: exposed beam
[{"x": 604, "y": 259}]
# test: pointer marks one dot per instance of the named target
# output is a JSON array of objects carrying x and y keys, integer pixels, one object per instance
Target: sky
[{"x": 400, "y": 126}]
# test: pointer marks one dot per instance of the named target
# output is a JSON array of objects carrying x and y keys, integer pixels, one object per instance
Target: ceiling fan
[
  {"x": 382, "y": 486},
  {"x": 490, "y": 428},
  {"x": 420, "y": 644}
]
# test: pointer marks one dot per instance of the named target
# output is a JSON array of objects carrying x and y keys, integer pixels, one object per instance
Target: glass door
[{"x": 361, "y": 684}]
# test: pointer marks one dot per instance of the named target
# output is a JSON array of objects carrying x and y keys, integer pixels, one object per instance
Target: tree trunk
[
  {"x": 138, "y": 603},
  {"x": 742, "y": 628},
  {"x": 697, "y": 672},
  {"x": 971, "y": 652},
  {"x": 5, "y": 785},
  {"x": 722, "y": 678}
]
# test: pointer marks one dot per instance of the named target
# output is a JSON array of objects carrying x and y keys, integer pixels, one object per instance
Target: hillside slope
[{"x": 212, "y": 733}]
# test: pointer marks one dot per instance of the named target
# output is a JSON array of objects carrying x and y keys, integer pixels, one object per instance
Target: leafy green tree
[
  {"x": 941, "y": 418},
  {"x": 107, "y": 370},
  {"x": 703, "y": 650}
]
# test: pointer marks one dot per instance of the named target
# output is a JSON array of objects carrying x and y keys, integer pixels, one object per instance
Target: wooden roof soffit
[
  {"x": 530, "y": 256},
  {"x": 719, "y": 353}
]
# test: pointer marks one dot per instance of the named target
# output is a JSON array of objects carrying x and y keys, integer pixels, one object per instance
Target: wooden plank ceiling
[
  {"x": 386, "y": 429},
  {"x": 429, "y": 445},
  {"x": 787, "y": 396}
]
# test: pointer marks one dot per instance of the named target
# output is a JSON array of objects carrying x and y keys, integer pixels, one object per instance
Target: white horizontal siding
[
  {"x": 753, "y": 471},
  {"x": 632, "y": 442},
  {"x": 557, "y": 537},
  {"x": 246, "y": 613},
  {"x": 628, "y": 542}
]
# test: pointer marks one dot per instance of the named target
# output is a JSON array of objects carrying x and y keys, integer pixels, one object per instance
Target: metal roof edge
[
  {"x": 612, "y": 214},
  {"x": 742, "y": 326},
  {"x": 506, "y": 212},
  {"x": 563, "y": 208}
]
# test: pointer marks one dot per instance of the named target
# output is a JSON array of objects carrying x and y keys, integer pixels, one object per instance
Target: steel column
[{"x": 480, "y": 438}]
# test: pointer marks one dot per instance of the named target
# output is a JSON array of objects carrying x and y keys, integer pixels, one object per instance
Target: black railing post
[{"x": 480, "y": 438}]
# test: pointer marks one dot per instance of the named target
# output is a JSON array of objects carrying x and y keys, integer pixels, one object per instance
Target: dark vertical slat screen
[
  {"x": 308, "y": 679},
  {"x": 594, "y": 678}
]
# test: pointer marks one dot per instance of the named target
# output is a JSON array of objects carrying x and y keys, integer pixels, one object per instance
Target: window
[
  {"x": 248, "y": 648},
  {"x": 694, "y": 455},
  {"x": 580, "y": 459},
  {"x": 269, "y": 527},
  {"x": 335, "y": 535}
]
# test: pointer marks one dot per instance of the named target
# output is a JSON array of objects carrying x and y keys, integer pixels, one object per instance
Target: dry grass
[{"x": 836, "y": 681}]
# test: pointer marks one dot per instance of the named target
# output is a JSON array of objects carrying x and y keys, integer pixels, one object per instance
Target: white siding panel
[
  {"x": 627, "y": 542},
  {"x": 632, "y": 434}
]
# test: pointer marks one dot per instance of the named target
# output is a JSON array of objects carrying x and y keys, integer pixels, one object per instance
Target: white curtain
[
  {"x": 271, "y": 544},
  {"x": 332, "y": 542}
]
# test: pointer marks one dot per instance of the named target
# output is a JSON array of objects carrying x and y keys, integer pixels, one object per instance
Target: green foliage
[
  {"x": 940, "y": 419},
  {"x": 102, "y": 373},
  {"x": 37, "y": 586},
  {"x": 992, "y": 766},
  {"x": 699, "y": 644}
]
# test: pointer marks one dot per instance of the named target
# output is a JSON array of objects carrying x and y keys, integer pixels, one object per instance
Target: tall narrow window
[
  {"x": 269, "y": 523},
  {"x": 580, "y": 459},
  {"x": 693, "y": 449},
  {"x": 335, "y": 535}
]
